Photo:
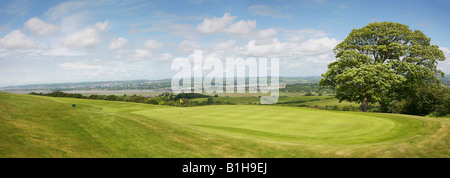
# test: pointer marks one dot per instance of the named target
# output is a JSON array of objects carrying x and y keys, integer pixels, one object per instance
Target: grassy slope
[{"x": 33, "y": 126}]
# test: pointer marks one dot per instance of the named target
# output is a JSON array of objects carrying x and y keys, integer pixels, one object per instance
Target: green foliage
[
  {"x": 209, "y": 101},
  {"x": 309, "y": 94},
  {"x": 382, "y": 62},
  {"x": 93, "y": 96},
  {"x": 305, "y": 87},
  {"x": 428, "y": 99},
  {"x": 163, "y": 99},
  {"x": 59, "y": 94},
  {"x": 190, "y": 96},
  {"x": 111, "y": 98}
]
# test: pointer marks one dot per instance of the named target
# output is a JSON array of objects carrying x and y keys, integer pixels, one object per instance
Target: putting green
[{"x": 298, "y": 125}]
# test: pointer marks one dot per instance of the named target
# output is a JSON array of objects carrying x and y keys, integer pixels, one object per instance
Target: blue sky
[{"x": 73, "y": 41}]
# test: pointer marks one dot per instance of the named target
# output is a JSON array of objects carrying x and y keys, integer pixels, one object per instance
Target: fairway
[{"x": 36, "y": 126}]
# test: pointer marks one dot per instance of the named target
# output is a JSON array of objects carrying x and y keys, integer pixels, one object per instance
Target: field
[{"x": 36, "y": 126}]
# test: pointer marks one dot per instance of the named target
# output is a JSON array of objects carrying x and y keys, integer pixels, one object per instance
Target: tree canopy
[{"x": 381, "y": 62}]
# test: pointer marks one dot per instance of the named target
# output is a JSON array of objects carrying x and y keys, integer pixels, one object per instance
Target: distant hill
[
  {"x": 149, "y": 84},
  {"x": 445, "y": 79},
  {"x": 132, "y": 84},
  {"x": 101, "y": 85},
  {"x": 297, "y": 80}
]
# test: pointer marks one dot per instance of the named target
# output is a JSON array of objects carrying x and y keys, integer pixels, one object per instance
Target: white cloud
[
  {"x": 298, "y": 36},
  {"x": 445, "y": 65},
  {"x": 86, "y": 39},
  {"x": 146, "y": 54},
  {"x": 152, "y": 44},
  {"x": 80, "y": 66},
  {"x": 315, "y": 46},
  {"x": 102, "y": 26},
  {"x": 220, "y": 50},
  {"x": 140, "y": 54},
  {"x": 73, "y": 22},
  {"x": 16, "y": 40},
  {"x": 272, "y": 49},
  {"x": 230, "y": 44},
  {"x": 446, "y": 52},
  {"x": 215, "y": 24},
  {"x": 118, "y": 43},
  {"x": 225, "y": 25},
  {"x": 164, "y": 57},
  {"x": 289, "y": 50},
  {"x": 322, "y": 58},
  {"x": 4, "y": 53},
  {"x": 41, "y": 28},
  {"x": 267, "y": 33},
  {"x": 241, "y": 27}
]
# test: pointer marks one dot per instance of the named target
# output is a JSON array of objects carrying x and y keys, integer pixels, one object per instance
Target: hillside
[{"x": 36, "y": 126}]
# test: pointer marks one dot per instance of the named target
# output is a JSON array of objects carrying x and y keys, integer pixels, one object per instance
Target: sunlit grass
[{"x": 35, "y": 126}]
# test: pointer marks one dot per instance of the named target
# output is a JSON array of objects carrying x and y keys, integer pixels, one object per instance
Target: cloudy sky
[{"x": 55, "y": 41}]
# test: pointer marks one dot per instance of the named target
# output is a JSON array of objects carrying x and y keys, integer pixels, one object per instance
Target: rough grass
[{"x": 35, "y": 126}]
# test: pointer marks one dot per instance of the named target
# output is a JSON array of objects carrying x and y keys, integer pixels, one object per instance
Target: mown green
[{"x": 36, "y": 126}]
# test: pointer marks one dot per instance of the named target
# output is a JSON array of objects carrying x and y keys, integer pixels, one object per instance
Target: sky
[{"x": 54, "y": 41}]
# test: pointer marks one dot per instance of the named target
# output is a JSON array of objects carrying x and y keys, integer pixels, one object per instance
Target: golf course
[{"x": 39, "y": 126}]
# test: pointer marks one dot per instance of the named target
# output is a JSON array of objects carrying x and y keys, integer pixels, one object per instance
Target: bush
[
  {"x": 93, "y": 97},
  {"x": 111, "y": 98},
  {"x": 190, "y": 96},
  {"x": 427, "y": 99},
  {"x": 309, "y": 94},
  {"x": 350, "y": 108},
  {"x": 209, "y": 101},
  {"x": 154, "y": 101}
]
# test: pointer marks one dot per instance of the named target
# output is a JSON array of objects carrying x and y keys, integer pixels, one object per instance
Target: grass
[
  {"x": 284, "y": 100},
  {"x": 35, "y": 126}
]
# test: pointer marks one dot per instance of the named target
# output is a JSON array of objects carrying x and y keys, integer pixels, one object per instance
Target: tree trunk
[{"x": 365, "y": 105}]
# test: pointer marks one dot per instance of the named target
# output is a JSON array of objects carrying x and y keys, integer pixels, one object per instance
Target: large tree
[{"x": 381, "y": 62}]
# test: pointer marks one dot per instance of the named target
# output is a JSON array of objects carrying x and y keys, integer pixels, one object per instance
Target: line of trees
[
  {"x": 306, "y": 87},
  {"x": 166, "y": 98}
]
